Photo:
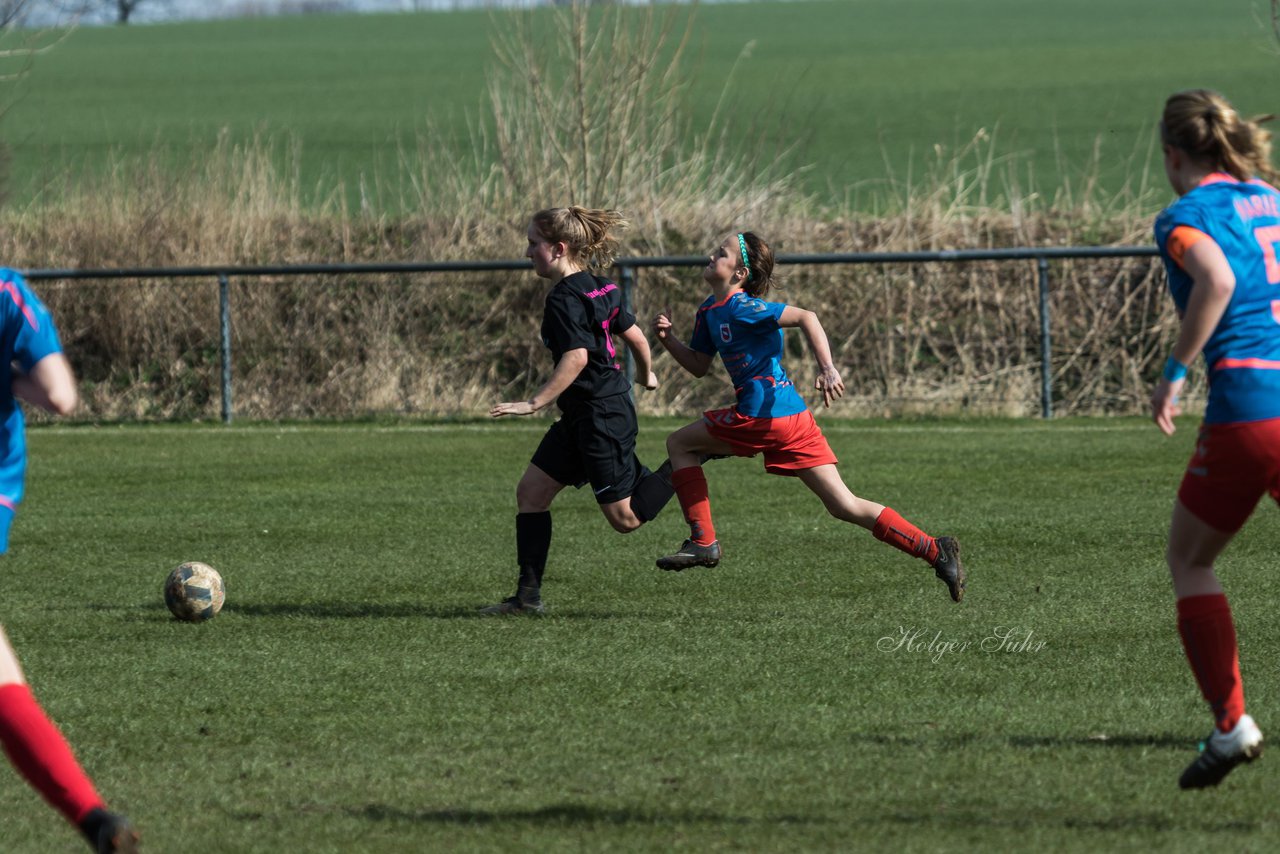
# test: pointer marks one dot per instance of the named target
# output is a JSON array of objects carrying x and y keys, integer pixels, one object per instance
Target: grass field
[
  {"x": 348, "y": 700},
  {"x": 862, "y": 89}
]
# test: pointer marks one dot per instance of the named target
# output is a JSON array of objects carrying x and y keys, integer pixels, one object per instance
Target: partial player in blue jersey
[
  {"x": 584, "y": 325},
  {"x": 769, "y": 417},
  {"x": 33, "y": 369},
  {"x": 1219, "y": 242}
]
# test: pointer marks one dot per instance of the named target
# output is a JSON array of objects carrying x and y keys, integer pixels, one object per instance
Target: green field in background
[
  {"x": 348, "y": 699},
  {"x": 858, "y": 90}
]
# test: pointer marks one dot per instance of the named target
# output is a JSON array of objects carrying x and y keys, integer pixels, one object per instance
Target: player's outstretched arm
[
  {"x": 51, "y": 385},
  {"x": 693, "y": 361},
  {"x": 567, "y": 370},
  {"x": 828, "y": 381},
  {"x": 639, "y": 346}
]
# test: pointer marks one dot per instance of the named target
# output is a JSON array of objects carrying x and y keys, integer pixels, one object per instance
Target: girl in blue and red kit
[
  {"x": 1218, "y": 242},
  {"x": 34, "y": 369},
  {"x": 770, "y": 417}
]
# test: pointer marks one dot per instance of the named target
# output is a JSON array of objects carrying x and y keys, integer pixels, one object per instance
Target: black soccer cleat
[
  {"x": 948, "y": 568},
  {"x": 110, "y": 833},
  {"x": 514, "y": 605},
  {"x": 691, "y": 554},
  {"x": 1221, "y": 752}
]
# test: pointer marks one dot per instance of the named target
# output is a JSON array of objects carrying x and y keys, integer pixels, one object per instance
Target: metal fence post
[
  {"x": 224, "y": 323},
  {"x": 627, "y": 280},
  {"x": 1046, "y": 365}
]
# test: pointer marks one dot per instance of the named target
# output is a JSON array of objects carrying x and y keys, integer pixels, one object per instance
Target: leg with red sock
[
  {"x": 702, "y": 548},
  {"x": 42, "y": 756},
  {"x": 1205, "y": 623},
  {"x": 941, "y": 553},
  {"x": 1208, "y": 636}
]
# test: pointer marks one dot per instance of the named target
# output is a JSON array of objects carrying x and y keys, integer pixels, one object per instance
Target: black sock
[
  {"x": 92, "y": 824},
  {"x": 652, "y": 493},
  {"x": 533, "y": 543}
]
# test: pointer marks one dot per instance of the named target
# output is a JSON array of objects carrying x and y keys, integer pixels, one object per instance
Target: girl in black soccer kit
[{"x": 594, "y": 440}]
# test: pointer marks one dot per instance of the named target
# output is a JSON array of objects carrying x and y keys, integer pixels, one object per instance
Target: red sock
[
  {"x": 42, "y": 755},
  {"x": 901, "y": 534},
  {"x": 1209, "y": 638},
  {"x": 691, "y": 489}
]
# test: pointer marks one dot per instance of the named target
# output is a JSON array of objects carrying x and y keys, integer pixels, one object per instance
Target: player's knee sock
[
  {"x": 898, "y": 532},
  {"x": 533, "y": 544},
  {"x": 691, "y": 489},
  {"x": 652, "y": 493},
  {"x": 1209, "y": 638},
  {"x": 42, "y": 755}
]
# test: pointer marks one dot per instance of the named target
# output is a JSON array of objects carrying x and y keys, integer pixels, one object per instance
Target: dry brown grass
[{"x": 921, "y": 338}]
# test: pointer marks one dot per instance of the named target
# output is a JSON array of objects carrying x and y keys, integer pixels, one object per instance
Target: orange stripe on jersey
[
  {"x": 1259, "y": 364},
  {"x": 1183, "y": 238}
]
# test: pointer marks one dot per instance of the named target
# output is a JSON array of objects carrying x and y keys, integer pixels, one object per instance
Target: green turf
[
  {"x": 348, "y": 700},
  {"x": 861, "y": 89}
]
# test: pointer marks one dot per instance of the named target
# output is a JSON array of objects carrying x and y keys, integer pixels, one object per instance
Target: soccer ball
[{"x": 194, "y": 592}]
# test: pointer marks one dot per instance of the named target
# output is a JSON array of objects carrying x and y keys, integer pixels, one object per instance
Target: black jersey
[{"x": 586, "y": 312}]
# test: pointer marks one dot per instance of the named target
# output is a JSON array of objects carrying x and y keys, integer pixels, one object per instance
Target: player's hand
[
  {"x": 662, "y": 325},
  {"x": 519, "y": 407},
  {"x": 651, "y": 381},
  {"x": 830, "y": 384},
  {"x": 1164, "y": 404}
]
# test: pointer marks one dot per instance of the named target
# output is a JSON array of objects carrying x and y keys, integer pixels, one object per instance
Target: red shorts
[
  {"x": 1233, "y": 465},
  {"x": 789, "y": 444}
]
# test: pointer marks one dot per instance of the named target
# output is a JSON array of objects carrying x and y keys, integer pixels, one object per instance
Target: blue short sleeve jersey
[
  {"x": 27, "y": 335},
  {"x": 744, "y": 330},
  {"x": 1243, "y": 353}
]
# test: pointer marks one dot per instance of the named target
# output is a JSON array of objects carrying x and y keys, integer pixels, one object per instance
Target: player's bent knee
[
  {"x": 623, "y": 522},
  {"x": 532, "y": 499},
  {"x": 625, "y": 526}
]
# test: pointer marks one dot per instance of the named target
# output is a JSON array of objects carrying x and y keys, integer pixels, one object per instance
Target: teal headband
[{"x": 742, "y": 244}]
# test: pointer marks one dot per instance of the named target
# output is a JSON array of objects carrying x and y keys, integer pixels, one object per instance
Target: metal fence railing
[{"x": 626, "y": 268}]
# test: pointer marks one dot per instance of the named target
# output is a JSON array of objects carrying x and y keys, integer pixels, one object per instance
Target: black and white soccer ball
[{"x": 194, "y": 592}]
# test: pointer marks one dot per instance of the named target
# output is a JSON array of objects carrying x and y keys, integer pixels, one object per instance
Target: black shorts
[{"x": 594, "y": 442}]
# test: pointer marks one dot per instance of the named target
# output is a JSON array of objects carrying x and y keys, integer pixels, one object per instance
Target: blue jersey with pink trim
[
  {"x": 744, "y": 330},
  {"x": 27, "y": 335},
  {"x": 1243, "y": 353}
]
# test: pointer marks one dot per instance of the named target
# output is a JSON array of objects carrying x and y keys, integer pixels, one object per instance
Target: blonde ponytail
[
  {"x": 1204, "y": 124},
  {"x": 587, "y": 232}
]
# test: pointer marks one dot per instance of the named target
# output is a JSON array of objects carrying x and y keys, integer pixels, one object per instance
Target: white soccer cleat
[{"x": 1221, "y": 752}]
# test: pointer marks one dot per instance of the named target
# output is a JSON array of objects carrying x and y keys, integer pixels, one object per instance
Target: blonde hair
[
  {"x": 1204, "y": 124},
  {"x": 588, "y": 233}
]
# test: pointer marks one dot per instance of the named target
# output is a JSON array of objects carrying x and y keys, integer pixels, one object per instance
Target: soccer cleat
[
  {"x": 947, "y": 566},
  {"x": 691, "y": 554},
  {"x": 1221, "y": 752},
  {"x": 514, "y": 605},
  {"x": 110, "y": 833}
]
